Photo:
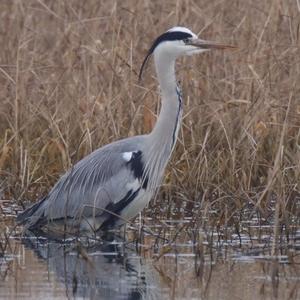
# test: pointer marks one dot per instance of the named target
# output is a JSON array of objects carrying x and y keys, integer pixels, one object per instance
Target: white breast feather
[
  {"x": 134, "y": 185},
  {"x": 127, "y": 156}
]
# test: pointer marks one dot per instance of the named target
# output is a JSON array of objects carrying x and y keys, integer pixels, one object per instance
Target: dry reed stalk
[{"x": 68, "y": 70}]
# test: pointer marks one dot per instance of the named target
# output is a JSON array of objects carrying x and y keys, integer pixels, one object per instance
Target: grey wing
[{"x": 104, "y": 180}]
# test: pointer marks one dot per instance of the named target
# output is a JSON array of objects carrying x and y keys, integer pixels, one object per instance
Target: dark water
[{"x": 211, "y": 266}]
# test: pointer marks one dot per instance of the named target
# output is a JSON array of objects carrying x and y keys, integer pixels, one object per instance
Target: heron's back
[{"x": 100, "y": 179}]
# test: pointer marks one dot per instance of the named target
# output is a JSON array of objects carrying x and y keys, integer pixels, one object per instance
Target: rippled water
[{"x": 194, "y": 265}]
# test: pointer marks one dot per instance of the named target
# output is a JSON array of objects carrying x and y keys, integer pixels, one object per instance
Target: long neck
[
  {"x": 170, "y": 114},
  {"x": 164, "y": 134}
]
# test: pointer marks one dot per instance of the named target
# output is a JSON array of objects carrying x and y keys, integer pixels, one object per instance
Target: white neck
[
  {"x": 169, "y": 115},
  {"x": 164, "y": 134}
]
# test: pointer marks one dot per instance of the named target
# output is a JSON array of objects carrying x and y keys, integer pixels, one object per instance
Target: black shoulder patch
[
  {"x": 137, "y": 167},
  {"x": 136, "y": 164}
]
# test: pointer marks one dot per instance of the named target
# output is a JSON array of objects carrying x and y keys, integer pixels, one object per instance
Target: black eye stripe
[
  {"x": 167, "y": 36},
  {"x": 170, "y": 36}
]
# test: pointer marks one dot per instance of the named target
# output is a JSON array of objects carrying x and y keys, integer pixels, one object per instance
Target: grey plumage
[
  {"x": 114, "y": 183},
  {"x": 87, "y": 189}
]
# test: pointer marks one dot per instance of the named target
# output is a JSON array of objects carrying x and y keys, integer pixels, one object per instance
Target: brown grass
[{"x": 68, "y": 77}]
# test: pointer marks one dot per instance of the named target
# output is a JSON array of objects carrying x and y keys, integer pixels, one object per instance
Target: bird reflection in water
[{"x": 110, "y": 270}]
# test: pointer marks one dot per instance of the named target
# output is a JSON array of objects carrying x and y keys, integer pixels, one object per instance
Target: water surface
[{"x": 169, "y": 260}]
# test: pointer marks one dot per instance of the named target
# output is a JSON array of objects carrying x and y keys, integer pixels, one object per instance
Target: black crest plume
[{"x": 167, "y": 36}]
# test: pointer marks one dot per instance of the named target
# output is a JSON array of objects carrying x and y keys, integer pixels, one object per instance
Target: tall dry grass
[{"x": 68, "y": 77}]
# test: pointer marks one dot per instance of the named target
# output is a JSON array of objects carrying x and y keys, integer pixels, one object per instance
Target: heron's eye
[{"x": 186, "y": 41}]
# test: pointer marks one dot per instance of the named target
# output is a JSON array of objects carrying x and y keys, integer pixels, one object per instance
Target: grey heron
[{"x": 116, "y": 182}]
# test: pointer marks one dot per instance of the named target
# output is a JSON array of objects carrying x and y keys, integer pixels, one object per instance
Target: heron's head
[{"x": 179, "y": 41}]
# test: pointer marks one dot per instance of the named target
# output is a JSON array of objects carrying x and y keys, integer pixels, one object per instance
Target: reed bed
[{"x": 68, "y": 77}]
